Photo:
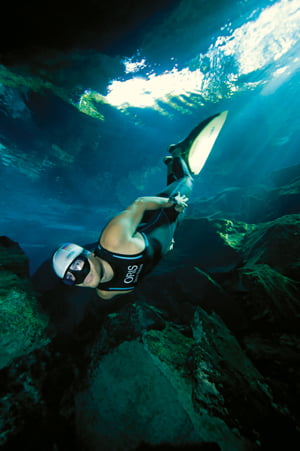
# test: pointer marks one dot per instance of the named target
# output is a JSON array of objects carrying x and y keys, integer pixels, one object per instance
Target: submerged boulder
[
  {"x": 269, "y": 277},
  {"x": 271, "y": 298},
  {"x": 160, "y": 382},
  {"x": 275, "y": 243},
  {"x": 22, "y": 324}
]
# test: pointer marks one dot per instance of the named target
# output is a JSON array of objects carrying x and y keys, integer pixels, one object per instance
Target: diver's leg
[
  {"x": 179, "y": 180},
  {"x": 188, "y": 157},
  {"x": 160, "y": 225},
  {"x": 177, "y": 168}
]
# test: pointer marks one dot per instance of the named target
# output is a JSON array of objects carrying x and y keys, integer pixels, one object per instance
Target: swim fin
[{"x": 196, "y": 147}]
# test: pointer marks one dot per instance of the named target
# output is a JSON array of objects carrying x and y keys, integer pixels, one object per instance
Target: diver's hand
[{"x": 180, "y": 202}]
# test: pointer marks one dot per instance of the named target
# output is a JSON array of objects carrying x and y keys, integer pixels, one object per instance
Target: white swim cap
[{"x": 64, "y": 256}]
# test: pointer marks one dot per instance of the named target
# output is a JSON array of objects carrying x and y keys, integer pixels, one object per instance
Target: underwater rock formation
[
  {"x": 22, "y": 324},
  {"x": 163, "y": 382},
  {"x": 162, "y": 394}
]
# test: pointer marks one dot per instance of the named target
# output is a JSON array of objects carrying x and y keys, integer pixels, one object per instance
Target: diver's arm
[
  {"x": 122, "y": 228},
  {"x": 120, "y": 234}
]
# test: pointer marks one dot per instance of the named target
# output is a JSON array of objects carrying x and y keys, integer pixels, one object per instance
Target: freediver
[{"x": 134, "y": 241}]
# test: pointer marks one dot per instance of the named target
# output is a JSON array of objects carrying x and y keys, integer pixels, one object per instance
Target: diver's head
[{"x": 71, "y": 263}]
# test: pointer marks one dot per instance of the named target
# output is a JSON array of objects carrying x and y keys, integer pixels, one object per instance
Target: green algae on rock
[
  {"x": 274, "y": 297},
  {"x": 276, "y": 243},
  {"x": 22, "y": 324}
]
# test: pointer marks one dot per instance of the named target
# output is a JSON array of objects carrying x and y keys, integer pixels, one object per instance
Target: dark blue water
[{"x": 85, "y": 133}]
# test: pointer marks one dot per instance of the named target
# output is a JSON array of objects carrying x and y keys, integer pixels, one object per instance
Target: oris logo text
[{"x": 132, "y": 273}]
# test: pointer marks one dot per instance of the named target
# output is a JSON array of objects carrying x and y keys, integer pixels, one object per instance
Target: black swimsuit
[{"x": 129, "y": 269}]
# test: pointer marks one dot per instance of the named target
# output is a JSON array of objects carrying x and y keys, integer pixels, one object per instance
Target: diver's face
[{"x": 93, "y": 278}]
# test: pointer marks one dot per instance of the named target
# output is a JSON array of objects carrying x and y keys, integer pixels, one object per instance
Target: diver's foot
[
  {"x": 195, "y": 149},
  {"x": 175, "y": 150},
  {"x": 179, "y": 151},
  {"x": 168, "y": 160},
  {"x": 177, "y": 168}
]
